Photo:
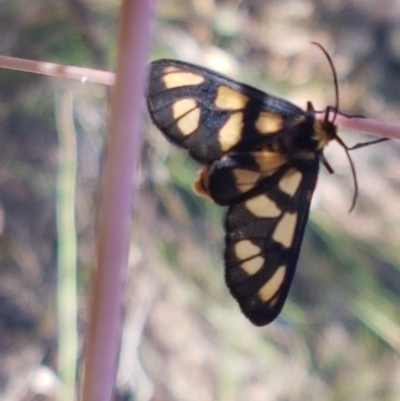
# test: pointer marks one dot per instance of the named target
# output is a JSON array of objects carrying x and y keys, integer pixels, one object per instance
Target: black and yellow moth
[{"x": 260, "y": 157}]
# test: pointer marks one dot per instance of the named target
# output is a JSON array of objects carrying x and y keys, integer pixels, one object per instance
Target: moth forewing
[{"x": 209, "y": 114}]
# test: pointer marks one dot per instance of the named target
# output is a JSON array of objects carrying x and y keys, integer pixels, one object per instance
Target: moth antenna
[
  {"x": 335, "y": 80},
  {"x": 340, "y": 141}
]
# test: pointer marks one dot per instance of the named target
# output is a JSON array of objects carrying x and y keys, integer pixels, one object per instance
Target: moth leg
[
  {"x": 327, "y": 165},
  {"x": 363, "y": 144}
]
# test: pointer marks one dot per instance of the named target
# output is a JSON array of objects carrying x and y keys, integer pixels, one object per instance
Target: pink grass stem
[
  {"x": 387, "y": 130},
  {"x": 117, "y": 202},
  {"x": 57, "y": 70}
]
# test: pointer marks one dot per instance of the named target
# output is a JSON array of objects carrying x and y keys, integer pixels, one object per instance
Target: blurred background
[{"x": 338, "y": 337}]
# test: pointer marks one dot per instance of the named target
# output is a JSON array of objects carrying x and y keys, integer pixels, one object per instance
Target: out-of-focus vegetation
[{"x": 338, "y": 337}]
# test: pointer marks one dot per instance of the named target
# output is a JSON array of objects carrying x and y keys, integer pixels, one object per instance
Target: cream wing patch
[
  {"x": 175, "y": 78},
  {"x": 245, "y": 179},
  {"x": 262, "y": 206},
  {"x": 183, "y": 106},
  {"x": 268, "y": 123},
  {"x": 272, "y": 286},
  {"x": 268, "y": 162},
  {"x": 229, "y": 99},
  {"x": 231, "y": 132},
  {"x": 291, "y": 182},
  {"x": 253, "y": 266},
  {"x": 245, "y": 249},
  {"x": 187, "y": 114},
  {"x": 250, "y": 256},
  {"x": 285, "y": 229}
]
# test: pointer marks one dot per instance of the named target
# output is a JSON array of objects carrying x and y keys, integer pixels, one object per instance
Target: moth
[{"x": 260, "y": 157}]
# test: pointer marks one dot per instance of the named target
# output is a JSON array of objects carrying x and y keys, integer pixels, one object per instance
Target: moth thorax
[{"x": 324, "y": 131}]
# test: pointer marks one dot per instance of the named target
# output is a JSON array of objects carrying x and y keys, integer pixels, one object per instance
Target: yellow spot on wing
[
  {"x": 175, "y": 78},
  {"x": 245, "y": 249},
  {"x": 284, "y": 231},
  {"x": 230, "y": 133},
  {"x": 268, "y": 123},
  {"x": 188, "y": 115},
  {"x": 229, "y": 99},
  {"x": 268, "y": 162},
  {"x": 272, "y": 286},
  {"x": 182, "y": 106},
  {"x": 253, "y": 266},
  {"x": 262, "y": 206},
  {"x": 190, "y": 122},
  {"x": 290, "y": 182},
  {"x": 245, "y": 179}
]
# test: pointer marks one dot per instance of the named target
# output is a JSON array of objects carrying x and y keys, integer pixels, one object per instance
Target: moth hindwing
[{"x": 261, "y": 159}]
